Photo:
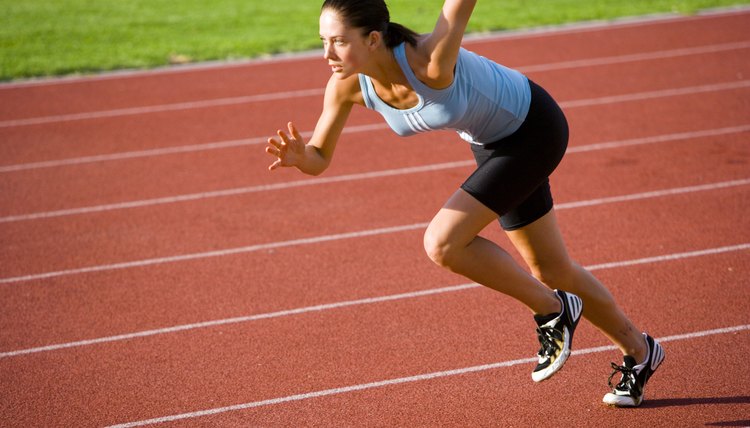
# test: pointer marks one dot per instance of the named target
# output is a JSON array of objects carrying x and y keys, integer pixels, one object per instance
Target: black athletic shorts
[{"x": 512, "y": 175}]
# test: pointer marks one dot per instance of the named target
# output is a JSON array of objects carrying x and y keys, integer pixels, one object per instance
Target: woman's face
[{"x": 346, "y": 49}]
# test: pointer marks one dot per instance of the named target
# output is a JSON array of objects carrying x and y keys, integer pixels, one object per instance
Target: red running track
[{"x": 153, "y": 271}]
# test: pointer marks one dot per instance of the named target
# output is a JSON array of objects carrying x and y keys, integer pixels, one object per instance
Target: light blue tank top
[{"x": 485, "y": 102}]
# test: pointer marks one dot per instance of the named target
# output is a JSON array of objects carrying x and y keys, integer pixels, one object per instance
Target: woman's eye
[{"x": 336, "y": 42}]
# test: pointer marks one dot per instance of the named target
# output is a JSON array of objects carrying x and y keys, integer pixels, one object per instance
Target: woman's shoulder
[
  {"x": 345, "y": 90},
  {"x": 419, "y": 55},
  {"x": 433, "y": 70}
]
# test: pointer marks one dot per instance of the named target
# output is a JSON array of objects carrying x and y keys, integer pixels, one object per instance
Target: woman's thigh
[{"x": 459, "y": 221}]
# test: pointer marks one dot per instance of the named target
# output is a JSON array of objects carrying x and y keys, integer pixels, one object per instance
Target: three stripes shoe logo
[
  {"x": 657, "y": 356},
  {"x": 574, "y": 304}
]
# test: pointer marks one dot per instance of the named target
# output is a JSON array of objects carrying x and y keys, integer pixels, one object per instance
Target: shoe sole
[{"x": 621, "y": 401}]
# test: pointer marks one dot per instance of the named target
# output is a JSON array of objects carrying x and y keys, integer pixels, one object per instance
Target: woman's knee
[
  {"x": 440, "y": 247},
  {"x": 454, "y": 228},
  {"x": 436, "y": 247}
]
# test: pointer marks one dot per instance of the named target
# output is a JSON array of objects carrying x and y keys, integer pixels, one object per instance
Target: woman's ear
[{"x": 374, "y": 39}]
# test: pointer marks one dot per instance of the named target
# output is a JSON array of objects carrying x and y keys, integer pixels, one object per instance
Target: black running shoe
[
  {"x": 629, "y": 391},
  {"x": 556, "y": 335}
]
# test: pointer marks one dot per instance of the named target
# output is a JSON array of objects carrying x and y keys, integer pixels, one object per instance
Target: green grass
[{"x": 58, "y": 37}]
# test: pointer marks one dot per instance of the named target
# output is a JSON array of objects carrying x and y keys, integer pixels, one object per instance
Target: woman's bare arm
[
  {"x": 314, "y": 157},
  {"x": 439, "y": 49}
]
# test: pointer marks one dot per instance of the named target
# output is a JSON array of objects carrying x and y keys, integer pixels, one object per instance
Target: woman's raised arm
[{"x": 441, "y": 47}]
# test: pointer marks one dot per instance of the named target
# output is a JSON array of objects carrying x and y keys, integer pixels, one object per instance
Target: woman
[{"x": 518, "y": 135}]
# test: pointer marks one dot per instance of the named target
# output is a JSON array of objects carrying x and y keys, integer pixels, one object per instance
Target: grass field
[{"x": 43, "y": 38}]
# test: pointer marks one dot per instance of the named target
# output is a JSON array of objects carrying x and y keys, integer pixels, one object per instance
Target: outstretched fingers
[
  {"x": 274, "y": 148},
  {"x": 294, "y": 132},
  {"x": 287, "y": 147}
]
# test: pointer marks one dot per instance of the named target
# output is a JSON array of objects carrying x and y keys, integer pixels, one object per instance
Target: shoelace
[
  {"x": 548, "y": 338},
  {"x": 627, "y": 379}
]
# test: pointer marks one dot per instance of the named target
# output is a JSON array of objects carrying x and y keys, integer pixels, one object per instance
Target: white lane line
[
  {"x": 170, "y": 150},
  {"x": 662, "y": 138},
  {"x": 669, "y": 257},
  {"x": 249, "y": 318},
  {"x": 351, "y": 177},
  {"x": 347, "y": 303},
  {"x": 645, "y": 56},
  {"x": 639, "y": 96},
  {"x": 134, "y": 154},
  {"x": 619, "y": 59},
  {"x": 217, "y": 253},
  {"x": 654, "y": 194},
  {"x": 342, "y": 236},
  {"x": 407, "y": 379},
  {"x": 238, "y": 191},
  {"x": 130, "y": 111}
]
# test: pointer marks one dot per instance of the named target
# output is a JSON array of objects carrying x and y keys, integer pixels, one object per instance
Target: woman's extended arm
[
  {"x": 314, "y": 157},
  {"x": 440, "y": 48}
]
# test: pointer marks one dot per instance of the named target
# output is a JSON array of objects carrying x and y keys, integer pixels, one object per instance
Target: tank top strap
[
  {"x": 367, "y": 91},
  {"x": 399, "y": 52}
]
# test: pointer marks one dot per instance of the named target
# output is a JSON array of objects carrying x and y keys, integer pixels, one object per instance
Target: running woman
[{"x": 518, "y": 135}]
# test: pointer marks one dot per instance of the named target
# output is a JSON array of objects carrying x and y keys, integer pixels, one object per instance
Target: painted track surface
[{"x": 152, "y": 267}]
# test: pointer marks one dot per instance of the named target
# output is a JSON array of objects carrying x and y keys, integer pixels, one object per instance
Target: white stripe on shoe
[{"x": 575, "y": 305}]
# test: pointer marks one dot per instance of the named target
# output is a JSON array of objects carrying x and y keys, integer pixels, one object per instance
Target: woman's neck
[{"x": 390, "y": 82}]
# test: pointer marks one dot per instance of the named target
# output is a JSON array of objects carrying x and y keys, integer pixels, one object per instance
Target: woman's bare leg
[
  {"x": 452, "y": 241},
  {"x": 542, "y": 247}
]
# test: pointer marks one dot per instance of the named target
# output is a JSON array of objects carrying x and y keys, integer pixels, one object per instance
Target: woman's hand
[{"x": 289, "y": 151}]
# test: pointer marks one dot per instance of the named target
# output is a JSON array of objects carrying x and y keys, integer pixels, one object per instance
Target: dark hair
[{"x": 372, "y": 15}]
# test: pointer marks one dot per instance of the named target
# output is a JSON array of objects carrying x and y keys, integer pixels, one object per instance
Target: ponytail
[{"x": 395, "y": 34}]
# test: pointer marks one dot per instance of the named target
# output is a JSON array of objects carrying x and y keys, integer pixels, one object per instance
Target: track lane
[
  {"x": 501, "y": 397},
  {"x": 159, "y": 176},
  {"x": 110, "y": 135},
  {"x": 262, "y": 217},
  {"x": 528, "y": 50},
  {"x": 60, "y": 309},
  {"x": 233, "y": 143},
  {"x": 343, "y": 347}
]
